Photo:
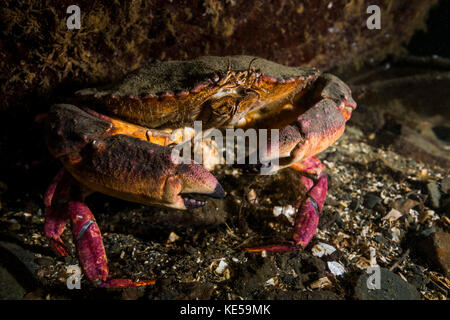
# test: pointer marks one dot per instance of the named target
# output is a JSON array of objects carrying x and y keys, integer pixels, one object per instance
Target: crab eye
[{"x": 242, "y": 91}]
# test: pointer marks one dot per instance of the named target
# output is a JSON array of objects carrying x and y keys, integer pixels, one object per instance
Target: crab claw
[
  {"x": 139, "y": 171},
  {"x": 328, "y": 107},
  {"x": 196, "y": 180}
]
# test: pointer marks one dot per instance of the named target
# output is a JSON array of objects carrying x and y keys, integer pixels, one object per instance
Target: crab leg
[
  {"x": 63, "y": 201},
  {"x": 90, "y": 248},
  {"x": 56, "y": 213},
  {"x": 308, "y": 209}
]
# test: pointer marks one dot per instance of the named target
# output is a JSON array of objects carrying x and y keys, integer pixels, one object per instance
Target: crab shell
[{"x": 219, "y": 91}]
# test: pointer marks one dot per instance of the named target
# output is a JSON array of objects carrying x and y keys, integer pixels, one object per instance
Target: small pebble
[
  {"x": 172, "y": 237},
  {"x": 288, "y": 211},
  {"x": 371, "y": 200},
  {"x": 251, "y": 197},
  {"x": 435, "y": 195},
  {"x": 322, "y": 249},
  {"x": 270, "y": 282},
  {"x": 221, "y": 267},
  {"x": 392, "y": 215},
  {"x": 445, "y": 185},
  {"x": 320, "y": 283},
  {"x": 395, "y": 234}
]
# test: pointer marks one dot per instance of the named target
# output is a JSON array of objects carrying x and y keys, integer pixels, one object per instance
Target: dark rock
[
  {"x": 435, "y": 195},
  {"x": 38, "y": 294},
  {"x": 10, "y": 288},
  {"x": 354, "y": 205},
  {"x": 380, "y": 239},
  {"x": 253, "y": 275},
  {"x": 21, "y": 263},
  {"x": 368, "y": 119},
  {"x": 327, "y": 220},
  {"x": 44, "y": 261},
  {"x": 314, "y": 264},
  {"x": 412, "y": 144},
  {"x": 445, "y": 185},
  {"x": 428, "y": 231},
  {"x": 371, "y": 200},
  {"x": 380, "y": 209},
  {"x": 442, "y": 132},
  {"x": 404, "y": 205},
  {"x": 392, "y": 288},
  {"x": 436, "y": 248},
  {"x": 418, "y": 281},
  {"x": 213, "y": 28}
]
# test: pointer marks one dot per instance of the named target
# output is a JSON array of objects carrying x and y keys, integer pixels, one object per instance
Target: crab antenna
[
  {"x": 249, "y": 71},
  {"x": 250, "y": 65}
]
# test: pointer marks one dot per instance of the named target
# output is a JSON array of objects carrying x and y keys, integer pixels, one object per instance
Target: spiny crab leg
[
  {"x": 308, "y": 209},
  {"x": 63, "y": 201}
]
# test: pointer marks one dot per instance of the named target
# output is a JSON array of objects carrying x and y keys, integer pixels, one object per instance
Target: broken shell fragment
[
  {"x": 320, "y": 283},
  {"x": 288, "y": 211},
  {"x": 336, "y": 268},
  {"x": 392, "y": 215},
  {"x": 223, "y": 265},
  {"x": 172, "y": 237},
  {"x": 322, "y": 249}
]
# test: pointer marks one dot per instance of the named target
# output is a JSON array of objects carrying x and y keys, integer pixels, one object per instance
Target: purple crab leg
[
  {"x": 63, "y": 201},
  {"x": 308, "y": 209},
  {"x": 56, "y": 213},
  {"x": 90, "y": 249}
]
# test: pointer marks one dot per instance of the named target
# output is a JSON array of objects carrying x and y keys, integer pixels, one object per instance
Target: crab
[{"x": 118, "y": 140}]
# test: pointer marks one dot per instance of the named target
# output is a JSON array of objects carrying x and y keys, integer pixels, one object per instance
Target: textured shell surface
[
  {"x": 160, "y": 77},
  {"x": 216, "y": 90}
]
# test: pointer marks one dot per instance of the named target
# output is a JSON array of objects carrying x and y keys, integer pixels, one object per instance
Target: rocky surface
[{"x": 392, "y": 287}]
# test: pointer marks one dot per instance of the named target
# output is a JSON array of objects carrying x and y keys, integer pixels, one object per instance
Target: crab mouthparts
[
  {"x": 196, "y": 200},
  {"x": 191, "y": 203}
]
